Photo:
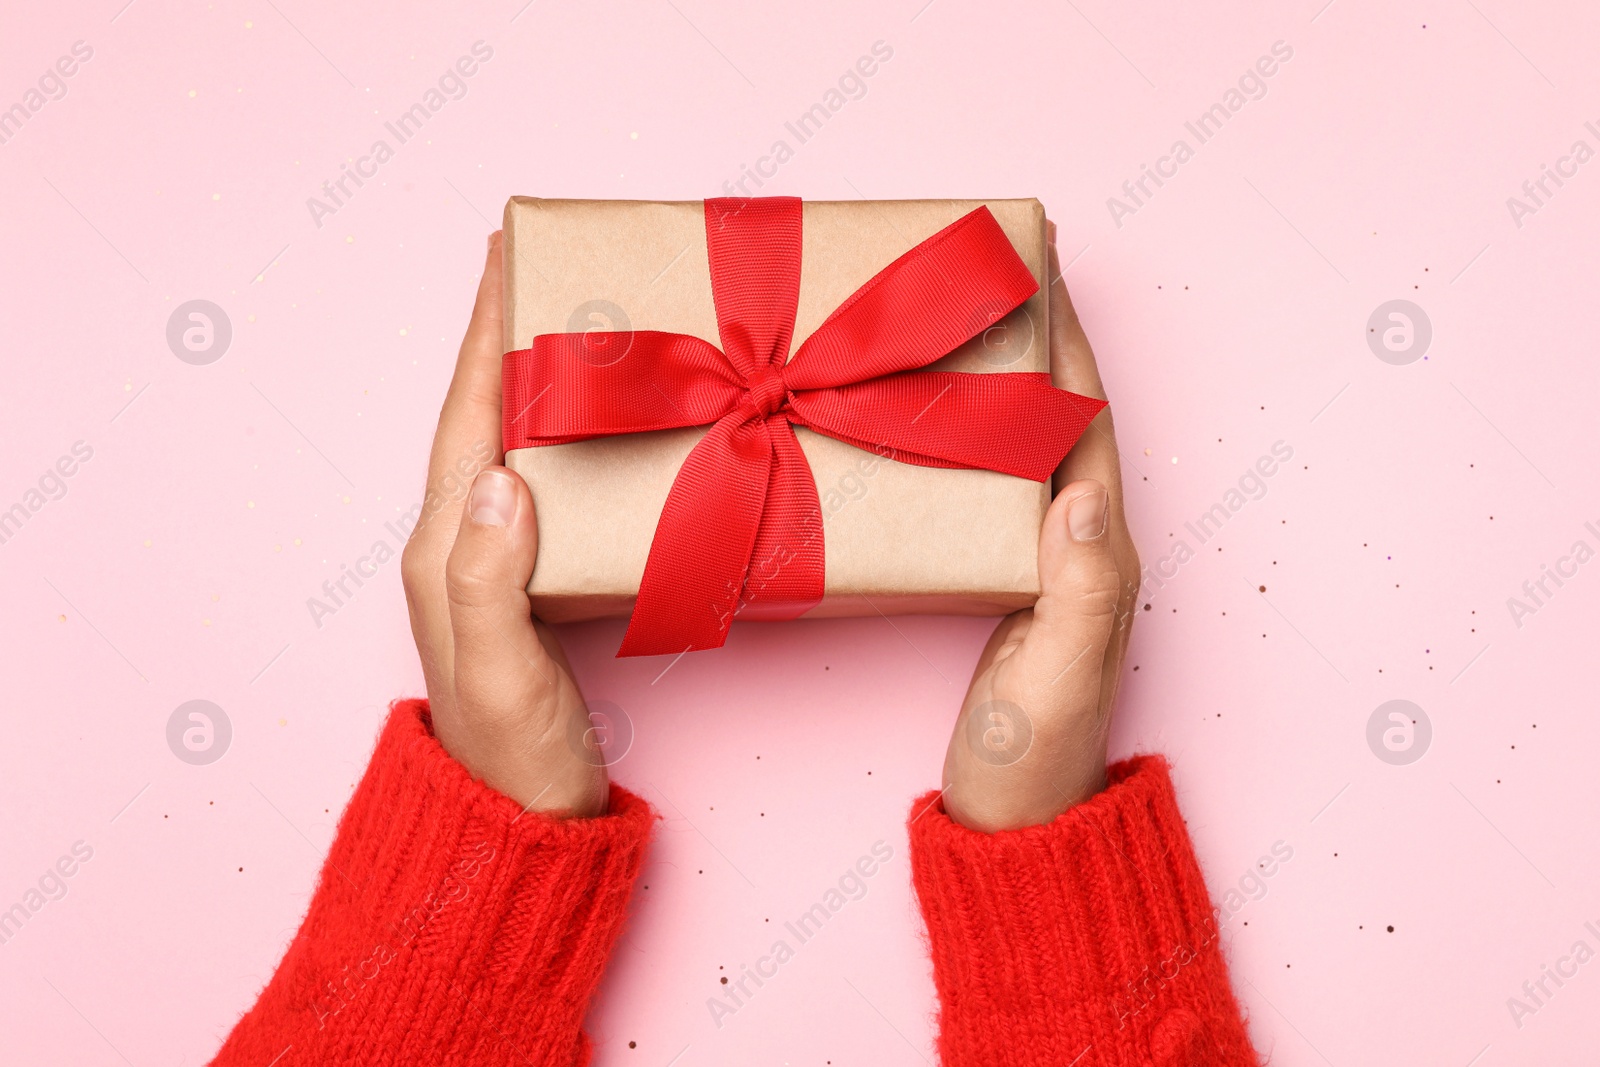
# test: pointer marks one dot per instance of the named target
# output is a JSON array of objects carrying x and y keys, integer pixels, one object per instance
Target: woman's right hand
[
  {"x": 502, "y": 696},
  {"x": 1030, "y": 741}
]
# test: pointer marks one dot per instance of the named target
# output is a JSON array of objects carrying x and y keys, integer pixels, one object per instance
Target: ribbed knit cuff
[
  {"x": 1087, "y": 941},
  {"x": 448, "y": 927}
]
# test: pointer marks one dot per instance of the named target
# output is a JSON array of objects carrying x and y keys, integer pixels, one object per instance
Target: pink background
[{"x": 1229, "y": 313}]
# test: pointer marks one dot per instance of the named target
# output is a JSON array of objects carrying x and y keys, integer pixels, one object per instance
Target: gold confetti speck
[
  {"x": 277, "y": 548},
  {"x": 252, "y": 503},
  {"x": 192, "y": 94},
  {"x": 347, "y": 500},
  {"x": 62, "y": 618},
  {"x": 633, "y": 136},
  {"x": 205, "y": 622},
  {"x": 350, "y": 239},
  {"x": 251, "y": 318},
  {"x": 283, "y": 722},
  {"x": 402, "y": 331},
  {"x": 147, "y": 542},
  {"x": 249, "y": 25},
  {"x": 216, "y": 196},
  {"x": 1147, "y": 451},
  {"x": 297, "y": 540},
  {"x": 1174, "y": 459}
]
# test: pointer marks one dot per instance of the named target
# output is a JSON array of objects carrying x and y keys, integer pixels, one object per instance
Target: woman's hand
[
  {"x": 502, "y": 696},
  {"x": 1031, "y": 738}
]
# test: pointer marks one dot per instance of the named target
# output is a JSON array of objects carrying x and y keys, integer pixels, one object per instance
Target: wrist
[
  {"x": 1033, "y": 791},
  {"x": 545, "y": 770}
]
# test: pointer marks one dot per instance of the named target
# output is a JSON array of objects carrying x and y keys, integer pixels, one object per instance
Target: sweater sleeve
[
  {"x": 447, "y": 927},
  {"x": 1087, "y": 941}
]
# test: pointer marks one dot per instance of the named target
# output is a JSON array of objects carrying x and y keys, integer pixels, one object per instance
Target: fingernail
[
  {"x": 1086, "y": 516},
  {"x": 493, "y": 500}
]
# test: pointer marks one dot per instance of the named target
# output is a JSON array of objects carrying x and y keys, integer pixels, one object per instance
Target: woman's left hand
[{"x": 502, "y": 697}]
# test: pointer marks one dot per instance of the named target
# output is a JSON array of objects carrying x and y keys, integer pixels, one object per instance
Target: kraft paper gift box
[{"x": 899, "y": 538}]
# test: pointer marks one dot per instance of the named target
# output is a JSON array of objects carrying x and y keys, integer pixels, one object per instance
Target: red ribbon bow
[{"x": 742, "y": 524}]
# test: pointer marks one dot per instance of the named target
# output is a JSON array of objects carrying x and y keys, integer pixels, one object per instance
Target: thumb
[
  {"x": 1079, "y": 587},
  {"x": 501, "y": 666}
]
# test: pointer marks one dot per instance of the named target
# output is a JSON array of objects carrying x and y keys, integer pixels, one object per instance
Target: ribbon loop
[
  {"x": 925, "y": 304},
  {"x": 741, "y": 531}
]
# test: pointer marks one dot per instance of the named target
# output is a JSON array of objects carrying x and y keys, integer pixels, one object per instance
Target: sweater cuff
[
  {"x": 1089, "y": 940},
  {"x": 448, "y": 925}
]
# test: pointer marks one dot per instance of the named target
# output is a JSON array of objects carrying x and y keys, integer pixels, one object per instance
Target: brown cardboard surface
[{"x": 899, "y": 538}]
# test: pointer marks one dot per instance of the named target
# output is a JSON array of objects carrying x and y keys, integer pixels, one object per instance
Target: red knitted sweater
[{"x": 450, "y": 928}]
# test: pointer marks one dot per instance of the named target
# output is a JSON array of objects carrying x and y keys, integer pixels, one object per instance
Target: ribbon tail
[
  {"x": 1016, "y": 423},
  {"x": 695, "y": 573},
  {"x": 786, "y": 566}
]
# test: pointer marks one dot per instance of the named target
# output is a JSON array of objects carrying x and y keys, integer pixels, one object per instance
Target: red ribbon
[{"x": 742, "y": 524}]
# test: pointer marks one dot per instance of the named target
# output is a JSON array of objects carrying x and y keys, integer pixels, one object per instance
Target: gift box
[{"x": 762, "y": 409}]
